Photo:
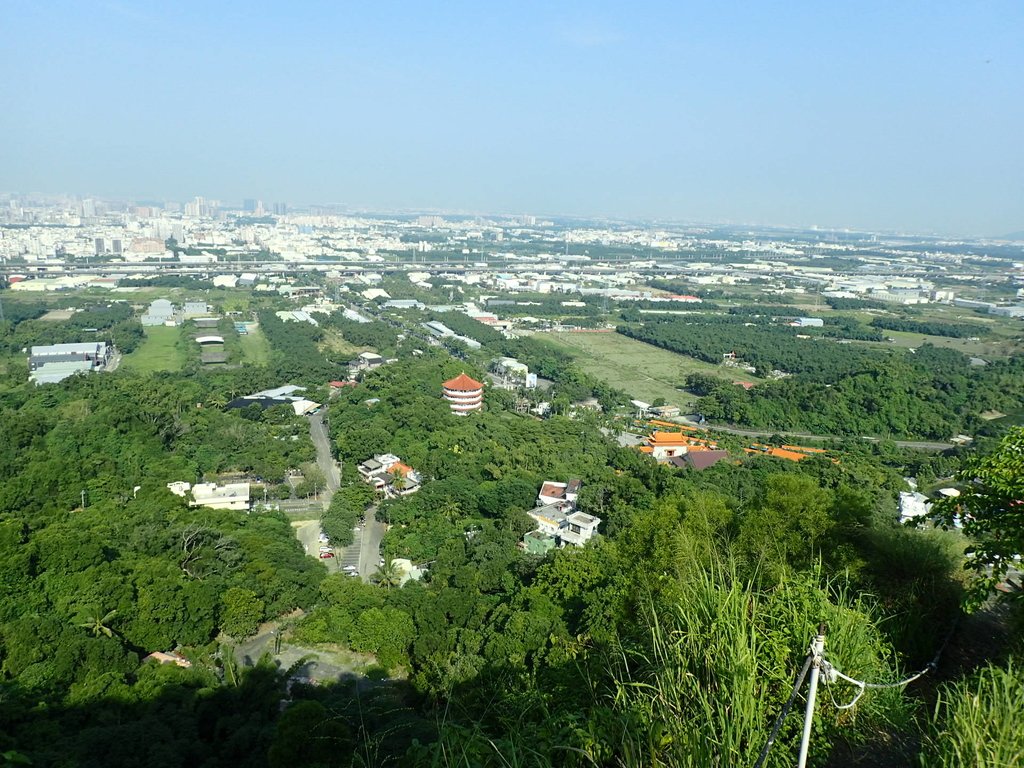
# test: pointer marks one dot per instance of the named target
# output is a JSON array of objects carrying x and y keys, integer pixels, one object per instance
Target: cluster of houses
[
  {"x": 915, "y": 507},
  {"x": 559, "y": 523},
  {"x": 163, "y": 312},
  {"x": 389, "y": 475}
]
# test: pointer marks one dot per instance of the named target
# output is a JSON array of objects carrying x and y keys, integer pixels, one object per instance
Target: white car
[{"x": 351, "y": 568}]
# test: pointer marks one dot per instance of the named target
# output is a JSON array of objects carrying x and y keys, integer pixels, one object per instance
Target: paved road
[
  {"x": 308, "y": 534},
  {"x": 917, "y": 445},
  {"x": 920, "y": 445},
  {"x": 324, "y": 457},
  {"x": 370, "y": 537},
  {"x": 364, "y": 552}
]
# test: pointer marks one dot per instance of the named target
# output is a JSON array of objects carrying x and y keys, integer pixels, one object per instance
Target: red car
[{"x": 325, "y": 555}]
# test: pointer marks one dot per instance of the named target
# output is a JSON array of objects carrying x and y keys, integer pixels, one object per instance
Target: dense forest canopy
[{"x": 685, "y": 618}]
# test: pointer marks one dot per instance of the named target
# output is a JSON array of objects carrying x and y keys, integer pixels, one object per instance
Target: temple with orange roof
[
  {"x": 663, "y": 446},
  {"x": 464, "y": 394},
  {"x": 787, "y": 452}
]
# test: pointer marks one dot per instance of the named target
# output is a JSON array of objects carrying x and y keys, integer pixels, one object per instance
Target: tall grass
[
  {"x": 719, "y": 663},
  {"x": 697, "y": 681},
  {"x": 977, "y": 722}
]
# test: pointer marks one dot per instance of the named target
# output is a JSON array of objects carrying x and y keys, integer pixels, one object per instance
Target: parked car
[{"x": 325, "y": 555}]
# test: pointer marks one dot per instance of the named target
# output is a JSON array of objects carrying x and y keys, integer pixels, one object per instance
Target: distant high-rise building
[
  {"x": 115, "y": 246},
  {"x": 101, "y": 247},
  {"x": 280, "y": 209},
  {"x": 88, "y": 208},
  {"x": 198, "y": 207},
  {"x": 249, "y": 205}
]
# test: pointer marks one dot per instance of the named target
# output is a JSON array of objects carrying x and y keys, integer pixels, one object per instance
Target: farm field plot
[
  {"x": 255, "y": 347},
  {"x": 159, "y": 352},
  {"x": 643, "y": 371},
  {"x": 337, "y": 345},
  {"x": 904, "y": 339}
]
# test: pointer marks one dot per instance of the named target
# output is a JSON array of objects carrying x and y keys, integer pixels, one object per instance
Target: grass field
[
  {"x": 339, "y": 347},
  {"x": 990, "y": 348},
  {"x": 642, "y": 371},
  {"x": 159, "y": 352},
  {"x": 255, "y": 347}
]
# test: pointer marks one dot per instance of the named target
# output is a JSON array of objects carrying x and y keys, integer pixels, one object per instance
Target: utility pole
[
  {"x": 817, "y": 648},
  {"x": 83, "y": 498}
]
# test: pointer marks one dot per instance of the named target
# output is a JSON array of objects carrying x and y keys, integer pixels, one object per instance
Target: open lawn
[
  {"x": 255, "y": 347},
  {"x": 338, "y": 347},
  {"x": 643, "y": 371},
  {"x": 159, "y": 352},
  {"x": 984, "y": 348}
]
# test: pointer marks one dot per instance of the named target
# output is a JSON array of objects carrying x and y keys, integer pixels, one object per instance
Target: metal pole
[{"x": 817, "y": 647}]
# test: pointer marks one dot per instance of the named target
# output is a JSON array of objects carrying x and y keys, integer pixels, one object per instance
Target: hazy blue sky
[{"x": 902, "y": 115}]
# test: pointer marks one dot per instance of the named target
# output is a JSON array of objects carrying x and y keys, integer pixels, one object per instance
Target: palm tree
[
  {"x": 389, "y": 575},
  {"x": 98, "y": 626}
]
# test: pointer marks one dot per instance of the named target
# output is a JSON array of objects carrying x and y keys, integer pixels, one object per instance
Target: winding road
[
  {"x": 367, "y": 541},
  {"x": 917, "y": 445}
]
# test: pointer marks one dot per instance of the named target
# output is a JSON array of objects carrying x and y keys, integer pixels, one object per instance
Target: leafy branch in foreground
[{"x": 991, "y": 511}]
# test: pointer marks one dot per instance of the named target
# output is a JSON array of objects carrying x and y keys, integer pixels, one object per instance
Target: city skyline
[{"x": 882, "y": 120}]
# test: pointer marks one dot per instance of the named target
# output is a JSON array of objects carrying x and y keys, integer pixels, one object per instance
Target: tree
[
  {"x": 98, "y": 625},
  {"x": 991, "y": 510},
  {"x": 389, "y": 575},
  {"x": 785, "y": 524},
  {"x": 243, "y": 612},
  {"x": 385, "y": 632}
]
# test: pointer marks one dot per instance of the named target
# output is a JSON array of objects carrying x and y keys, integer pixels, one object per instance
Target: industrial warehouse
[{"x": 52, "y": 363}]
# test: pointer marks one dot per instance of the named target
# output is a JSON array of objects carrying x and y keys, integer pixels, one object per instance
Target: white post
[{"x": 817, "y": 647}]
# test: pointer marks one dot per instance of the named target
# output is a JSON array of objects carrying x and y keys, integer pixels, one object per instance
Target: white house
[
  {"x": 565, "y": 525},
  {"x": 913, "y": 506},
  {"x": 230, "y": 496},
  {"x": 555, "y": 493}
]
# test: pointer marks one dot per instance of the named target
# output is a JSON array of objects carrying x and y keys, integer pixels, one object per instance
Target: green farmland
[
  {"x": 643, "y": 371},
  {"x": 159, "y": 352},
  {"x": 255, "y": 347}
]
